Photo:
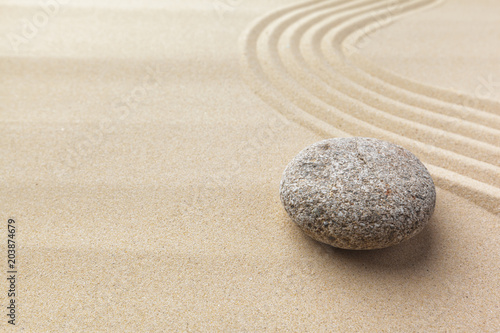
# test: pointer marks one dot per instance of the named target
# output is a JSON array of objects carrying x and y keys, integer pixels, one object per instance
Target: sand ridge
[{"x": 303, "y": 60}]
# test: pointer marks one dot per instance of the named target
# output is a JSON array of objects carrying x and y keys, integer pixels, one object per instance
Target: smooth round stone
[{"x": 358, "y": 193}]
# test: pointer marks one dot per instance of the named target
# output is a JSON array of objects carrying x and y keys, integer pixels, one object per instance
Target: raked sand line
[
  {"x": 462, "y": 105},
  {"x": 291, "y": 39},
  {"x": 487, "y": 108},
  {"x": 303, "y": 98},
  {"x": 371, "y": 90},
  {"x": 309, "y": 80},
  {"x": 393, "y": 114},
  {"x": 285, "y": 78},
  {"x": 265, "y": 90}
]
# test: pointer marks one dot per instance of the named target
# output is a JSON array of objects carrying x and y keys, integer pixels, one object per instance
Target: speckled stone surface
[{"x": 358, "y": 193}]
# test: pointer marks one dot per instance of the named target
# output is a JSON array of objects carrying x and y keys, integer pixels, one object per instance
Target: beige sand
[{"x": 143, "y": 143}]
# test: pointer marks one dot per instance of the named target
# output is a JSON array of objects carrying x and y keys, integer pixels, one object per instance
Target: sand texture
[{"x": 143, "y": 144}]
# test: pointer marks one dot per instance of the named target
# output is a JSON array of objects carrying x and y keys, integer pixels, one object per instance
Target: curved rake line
[
  {"x": 257, "y": 79},
  {"x": 330, "y": 95},
  {"x": 301, "y": 97},
  {"x": 253, "y": 73},
  {"x": 368, "y": 96},
  {"x": 459, "y": 100},
  {"x": 481, "y": 194},
  {"x": 397, "y": 92}
]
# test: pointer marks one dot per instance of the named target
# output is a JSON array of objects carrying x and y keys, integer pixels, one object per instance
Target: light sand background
[{"x": 143, "y": 143}]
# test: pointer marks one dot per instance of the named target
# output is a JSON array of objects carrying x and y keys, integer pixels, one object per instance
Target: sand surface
[{"x": 143, "y": 143}]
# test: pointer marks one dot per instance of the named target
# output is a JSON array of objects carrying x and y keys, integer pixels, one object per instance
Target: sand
[{"x": 143, "y": 143}]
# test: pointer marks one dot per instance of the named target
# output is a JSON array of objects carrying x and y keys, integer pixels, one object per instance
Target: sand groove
[
  {"x": 377, "y": 100},
  {"x": 302, "y": 60}
]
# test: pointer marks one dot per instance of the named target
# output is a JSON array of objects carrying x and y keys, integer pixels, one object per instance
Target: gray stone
[{"x": 358, "y": 193}]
